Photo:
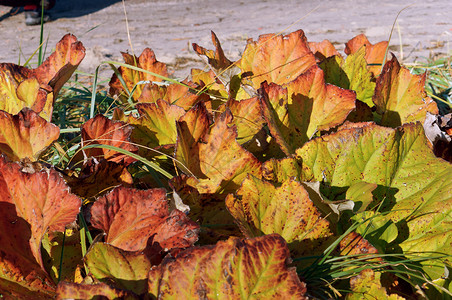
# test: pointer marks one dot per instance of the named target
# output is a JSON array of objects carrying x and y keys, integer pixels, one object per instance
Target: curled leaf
[
  {"x": 375, "y": 53},
  {"x": 296, "y": 111},
  {"x": 135, "y": 80},
  {"x": 100, "y": 130},
  {"x": 59, "y": 66},
  {"x": 400, "y": 96},
  {"x": 25, "y": 135},
  {"x": 212, "y": 154},
  {"x": 129, "y": 217}
]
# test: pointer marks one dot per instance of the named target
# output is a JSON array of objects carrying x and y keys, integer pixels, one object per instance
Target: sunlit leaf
[
  {"x": 59, "y": 66},
  {"x": 216, "y": 58},
  {"x": 19, "y": 89},
  {"x": 276, "y": 58},
  {"x": 367, "y": 286},
  {"x": 400, "y": 96},
  {"x": 42, "y": 199},
  {"x": 247, "y": 118},
  {"x": 351, "y": 73},
  {"x": 374, "y": 52},
  {"x": 297, "y": 110},
  {"x": 184, "y": 95},
  {"x": 136, "y": 79},
  {"x": 128, "y": 270},
  {"x": 323, "y": 49},
  {"x": 25, "y": 135},
  {"x": 129, "y": 217},
  {"x": 156, "y": 126},
  {"x": 233, "y": 269},
  {"x": 69, "y": 290},
  {"x": 416, "y": 186},
  {"x": 212, "y": 154},
  {"x": 100, "y": 130},
  {"x": 260, "y": 207},
  {"x": 212, "y": 84}
]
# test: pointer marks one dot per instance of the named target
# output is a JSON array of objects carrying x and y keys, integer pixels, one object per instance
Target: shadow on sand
[{"x": 68, "y": 8}]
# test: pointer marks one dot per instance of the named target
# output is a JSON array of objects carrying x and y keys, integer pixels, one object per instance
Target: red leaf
[
  {"x": 42, "y": 199},
  {"x": 100, "y": 130},
  {"x": 130, "y": 217}
]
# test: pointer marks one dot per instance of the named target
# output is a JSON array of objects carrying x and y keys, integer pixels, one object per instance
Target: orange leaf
[
  {"x": 213, "y": 154},
  {"x": 216, "y": 58},
  {"x": 19, "y": 89},
  {"x": 323, "y": 49},
  {"x": 276, "y": 58},
  {"x": 21, "y": 276},
  {"x": 374, "y": 53},
  {"x": 176, "y": 94},
  {"x": 297, "y": 110},
  {"x": 25, "y": 135},
  {"x": 233, "y": 269},
  {"x": 259, "y": 207},
  {"x": 42, "y": 199},
  {"x": 146, "y": 61},
  {"x": 96, "y": 179},
  {"x": 400, "y": 96},
  {"x": 130, "y": 217},
  {"x": 59, "y": 66},
  {"x": 100, "y": 130},
  {"x": 156, "y": 126}
]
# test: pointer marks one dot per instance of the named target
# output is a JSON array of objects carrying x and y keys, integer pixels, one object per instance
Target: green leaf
[
  {"x": 416, "y": 186},
  {"x": 128, "y": 270}
]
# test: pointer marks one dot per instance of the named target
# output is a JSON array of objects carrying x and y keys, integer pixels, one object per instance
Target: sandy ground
[{"x": 169, "y": 27}]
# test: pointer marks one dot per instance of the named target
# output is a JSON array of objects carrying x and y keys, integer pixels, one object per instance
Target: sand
[{"x": 169, "y": 27}]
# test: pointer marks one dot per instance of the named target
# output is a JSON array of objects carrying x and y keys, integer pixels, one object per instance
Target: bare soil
[{"x": 169, "y": 27}]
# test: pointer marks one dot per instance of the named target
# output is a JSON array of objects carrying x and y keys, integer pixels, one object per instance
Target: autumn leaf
[
  {"x": 156, "y": 126},
  {"x": 129, "y": 217},
  {"x": 25, "y": 135},
  {"x": 68, "y": 244},
  {"x": 247, "y": 118},
  {"x": 251, "y": 268},
  {"x": 135, "y": 79},
  {"x": 216, "y": 58},
  {"x": 21, "y": 276},
  {"x": 97, "y": 178},
  {"x": 212, "y": 154},
  {"x": 322, "y": 50},
  {"x": 128, "y": 270},
  {"x": 102, "y": 131},
  {"x": 19, "y": 89},
  {"x": 276, "y": 58},
  {"x": 296, "y": 111},
  {"x": 185, "y": 95},
  {"x": 69, "y": 290},
  {"x": 367, "y": 285},
  {"x": 351, "y": 73},
  {"x": 400, "y": 96},
  {"x": 42, "y": 199},
  {"x": 259, "y": 208},
  {"x": 375, "y": 53},
  {"x": 417, "y": 186},
  {"x": 59, "y": 66}
]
